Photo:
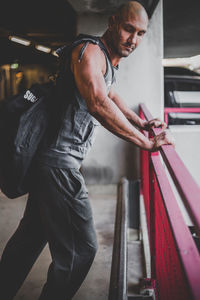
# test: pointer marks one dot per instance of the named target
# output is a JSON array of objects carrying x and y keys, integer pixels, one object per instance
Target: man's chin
[{"x": 125, "y": 53}]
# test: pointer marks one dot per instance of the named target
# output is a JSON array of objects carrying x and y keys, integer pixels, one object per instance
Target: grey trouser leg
[
  {"x": 65, "y": 219},
  {"x": 21, "y": 251}
]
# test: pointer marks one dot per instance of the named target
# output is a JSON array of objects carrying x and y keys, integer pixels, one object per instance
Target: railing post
[
  {"x": 152, "y": 216},
  {"x": 166, "y": 117},
  {"x": 152, "y": 199},
  {"x": 144, "y": 173}
]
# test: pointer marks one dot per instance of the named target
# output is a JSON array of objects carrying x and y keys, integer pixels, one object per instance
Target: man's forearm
[
  {"x": 113, "y": 119},
  {"x": 135, "y": 119}
]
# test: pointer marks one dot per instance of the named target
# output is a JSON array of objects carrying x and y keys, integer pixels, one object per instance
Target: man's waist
[{"x": 61, "y": 160}]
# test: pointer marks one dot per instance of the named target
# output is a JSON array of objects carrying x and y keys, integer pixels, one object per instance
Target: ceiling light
[
  {"x": 14, "y": 66},
  {"x": 19, "y": 40},
  {"x": 19, "y": 75},
  {"x": 43, "y": 48},
  {"x": 55, "y": 53}
]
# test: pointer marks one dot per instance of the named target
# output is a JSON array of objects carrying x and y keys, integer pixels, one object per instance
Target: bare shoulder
[{"x": 92, "y": 55}]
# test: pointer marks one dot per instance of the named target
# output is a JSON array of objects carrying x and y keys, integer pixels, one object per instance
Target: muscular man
[{"x": 58, "y": 211}]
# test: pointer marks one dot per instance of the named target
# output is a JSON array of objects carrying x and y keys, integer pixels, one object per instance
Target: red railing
[
  {"x": 168, "y": 110},
  {"x": 175, "y": 259}
]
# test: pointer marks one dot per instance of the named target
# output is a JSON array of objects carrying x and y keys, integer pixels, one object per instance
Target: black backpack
[{"x": 24, "y": 119}]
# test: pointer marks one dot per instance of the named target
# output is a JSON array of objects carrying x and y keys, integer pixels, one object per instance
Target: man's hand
[
  {"x": 164, "y": 138},
  {"x": 154, "y": 123}
]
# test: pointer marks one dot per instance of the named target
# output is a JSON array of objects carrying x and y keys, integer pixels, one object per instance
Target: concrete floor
[{"x": 96, "y": 285}]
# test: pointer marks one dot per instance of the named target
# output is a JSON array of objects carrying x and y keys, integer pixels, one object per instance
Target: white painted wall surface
[
  {"x": 139, "y": 79},
  {"x": 187, "y": 145}
]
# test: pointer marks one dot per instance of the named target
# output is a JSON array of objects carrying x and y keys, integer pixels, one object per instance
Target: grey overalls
[{"x": 58, "y": 210}]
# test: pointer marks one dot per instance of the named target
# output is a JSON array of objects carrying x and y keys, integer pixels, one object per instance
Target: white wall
[
  {"x": 139, "y": 79},
  {"x": 187, "y": 145}
]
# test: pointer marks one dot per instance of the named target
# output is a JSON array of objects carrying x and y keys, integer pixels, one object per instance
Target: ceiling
[
  {"x": 46, "y": 22},
  {"x": 108, "y": 6},
  {"x": 40, "y": 21},
  {"x": 53, "y": 23}
]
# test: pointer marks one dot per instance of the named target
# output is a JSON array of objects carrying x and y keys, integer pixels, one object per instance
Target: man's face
[{"x": 127, "y": 34}]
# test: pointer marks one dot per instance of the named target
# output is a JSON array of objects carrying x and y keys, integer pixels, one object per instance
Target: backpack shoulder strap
[
  {"x": 81, "y": 38},
  {"x": 85, "y": 39},
  {"x": 66, "y": 50}
]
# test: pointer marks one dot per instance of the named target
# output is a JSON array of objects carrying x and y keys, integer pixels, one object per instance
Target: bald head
[
  {"x": 132, "y": 9},
  {"x": 126, "y": 29}
]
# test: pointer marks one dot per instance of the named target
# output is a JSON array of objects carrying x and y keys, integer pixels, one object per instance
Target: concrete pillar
[{"x": 139, "y": 79}]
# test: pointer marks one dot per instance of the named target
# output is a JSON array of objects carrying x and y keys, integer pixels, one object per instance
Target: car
[{"x": 181, "y": 96}]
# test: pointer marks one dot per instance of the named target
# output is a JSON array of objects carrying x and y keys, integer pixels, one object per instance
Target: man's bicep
[{"x": 89, "y": 79}]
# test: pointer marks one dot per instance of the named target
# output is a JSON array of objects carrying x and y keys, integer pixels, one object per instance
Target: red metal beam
[
  {"x": 182, "y": 109},
  {"x": 179, "y": 110},
  {"x": 185, "y": 183},
  {"x": 186, "y": 246}
]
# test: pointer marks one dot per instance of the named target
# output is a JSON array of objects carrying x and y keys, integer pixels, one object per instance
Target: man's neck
[{"x": 113, "y": 56}]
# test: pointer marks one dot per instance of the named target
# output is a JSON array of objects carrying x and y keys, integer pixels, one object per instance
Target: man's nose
[{"x": 133, "y": 38}]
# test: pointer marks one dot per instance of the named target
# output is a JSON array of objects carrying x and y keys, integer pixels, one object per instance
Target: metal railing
[
  {"x": 126, "y": 217},
  {"x": 175, "y": 260},
  {"x": 118, "y": 277},
  {"x": 168, "y": 110}
]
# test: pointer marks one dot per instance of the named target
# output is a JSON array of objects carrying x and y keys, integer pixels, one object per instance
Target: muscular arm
[{"x": 88, "y": 74}]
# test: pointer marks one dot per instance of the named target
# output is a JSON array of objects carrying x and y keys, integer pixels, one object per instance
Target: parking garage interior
[{"x": 174, "y": 32}]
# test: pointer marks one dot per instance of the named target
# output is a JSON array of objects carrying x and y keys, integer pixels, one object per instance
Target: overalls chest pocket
[{"x": 84, "y": 127}]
